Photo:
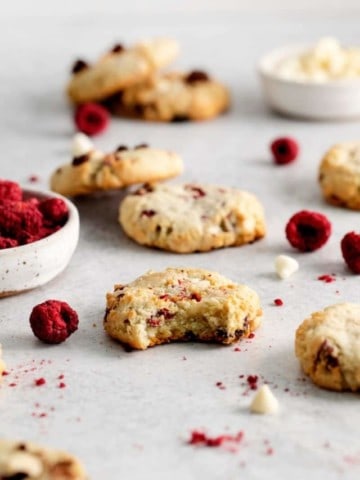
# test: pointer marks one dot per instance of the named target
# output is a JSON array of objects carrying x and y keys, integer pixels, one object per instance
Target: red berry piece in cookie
[
  {"x": 53, "y": 321},
  {"x": 285, "y": 150},
  {"x": 350, "y": 247},
  {"x": 91, "y": 118},
  {"x": 308, "y": 231},
  {"x": 55, "y": 211},
  {"x": 10, "y": 191}
]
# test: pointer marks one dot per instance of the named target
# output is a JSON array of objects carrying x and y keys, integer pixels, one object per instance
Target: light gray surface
[{"x": 127, "y": 415}]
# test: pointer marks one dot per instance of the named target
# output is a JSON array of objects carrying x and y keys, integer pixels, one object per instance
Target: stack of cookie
[{"x": 128, "y": 81}]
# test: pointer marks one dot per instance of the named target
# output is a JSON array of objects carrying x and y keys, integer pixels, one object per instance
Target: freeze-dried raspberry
[
  {"x": 8, "y": 243},
  {"x": 10, "y": 191},
  {"x": 285, "y": 150},
  {"x": 53, "y": 321},
  {"x": 18, "y": 218},
  {"x": 55, "y": 211},
  {"x": 307, "y": 231},
  {"x": 91, "y": 118},
  {"x": 350, "y": 247}
]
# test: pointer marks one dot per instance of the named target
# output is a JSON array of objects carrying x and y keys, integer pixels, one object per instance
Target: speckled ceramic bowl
[{"x": 29, "y": 266}]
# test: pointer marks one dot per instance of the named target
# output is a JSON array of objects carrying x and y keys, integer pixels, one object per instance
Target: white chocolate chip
[
  {"x": 285, "y": 266},
  {"x": 81, "y": 145},
  {"x": 264, "y": 401}
]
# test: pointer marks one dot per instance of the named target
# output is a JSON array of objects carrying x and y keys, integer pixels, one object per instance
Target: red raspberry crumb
[
  {"x": 251, "y": 335},
  {"x": 91, "y": 118},
  {"x": 278, "y": 302},
  {"x": 8, "y": 243},
  {"x": 308, "y": 231},
  {"x": 53, "y": 321},
  {"x": 285, "y": 150},
  {"x": 327, "y": 278},
  {"x": 252, "y": 381},
  {"x": 33, "y": 178},
  {"x": 55, "y": 211},
  {"x": 5, "y": 373},
  {"x": 10, "y": 191},
  {"x": 350, "y": 248},
  {"x": 62, "y": 385},
  {"x": 40, "y": 381},
  {"x": 200, "y": 438}
]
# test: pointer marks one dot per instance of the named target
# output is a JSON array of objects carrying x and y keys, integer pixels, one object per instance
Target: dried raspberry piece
[
  {"x": 79, "y": 66},
  {"x": 350, "y": 247},
  {"x": 55, "y": 211},
  {"x": 285, "y": 150},
  {"x": 19, "y": 218},
  {"x": 8, "y": 243},
  {"x": 308, "y": 231},
  {"x": 91, "y": 118},
  {"x": 196, "y": 76},
  {"x": 53, "y": 321},
  {"x": 10, "y": 191}
]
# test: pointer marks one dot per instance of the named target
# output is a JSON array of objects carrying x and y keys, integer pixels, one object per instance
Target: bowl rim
[
  {"x": 71, "y": 222},
  {"x": 267, "y": 61}
]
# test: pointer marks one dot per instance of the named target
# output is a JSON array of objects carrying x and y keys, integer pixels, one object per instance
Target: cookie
[
  {"x": 191, "y": 217},
  {"x": 173, "y": 97},
  {"x": 97, "y": 171},
  {"x": 25, "y": 460},
  {"x": 181, "y": 304},
  {"x": 120, "y": 68},
  {"x": 339, "y": 175},
  {"x": 328, "y": 347}
]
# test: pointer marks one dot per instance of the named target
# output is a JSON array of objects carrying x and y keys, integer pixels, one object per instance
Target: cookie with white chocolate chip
[
  {"x": 191, "y": 217},
  {"x": 181, "y": 304},
  {"x": 328, "y": 347},
  {"x": 339, "y": 175},
  {"x": 25, "y": 460},
  {"x": 92, "y": 170},
  {"x": 173, "y": 97},
  {"x": 120, "y": 68}
]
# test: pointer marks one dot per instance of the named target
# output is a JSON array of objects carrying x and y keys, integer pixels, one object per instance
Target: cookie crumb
[{"x": 264, "y": 402}]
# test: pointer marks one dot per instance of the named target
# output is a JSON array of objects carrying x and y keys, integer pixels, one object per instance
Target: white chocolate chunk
[
  {"x": 264, "y": 401},
  {"x": 81, "y": 145},
  {"x": 285, "y": 266},
  {"x": 326, "y": 60}
]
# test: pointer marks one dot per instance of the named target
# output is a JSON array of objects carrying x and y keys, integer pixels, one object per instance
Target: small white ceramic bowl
[
  {"x": 29, "y": 266},
  {"x": 330, "y": 100}
]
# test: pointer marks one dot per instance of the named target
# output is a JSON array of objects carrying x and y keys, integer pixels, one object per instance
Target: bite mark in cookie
[
  {"x": 192, "y": 217},
  {"x": 181, "y": 305}
]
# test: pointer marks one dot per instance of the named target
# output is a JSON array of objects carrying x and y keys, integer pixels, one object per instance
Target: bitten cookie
[
  {"x": 25, "y": 460},
  {"x": 328, "y": 347},
  {"x": 120, "y": 68},
  {"x": 92, "y": 170},
  {"x": 339, "y": 175},
  {"x": 181, "y": 304},
  {"x": 191, "y": 217},
  {"x": 173, "y": 97}
]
